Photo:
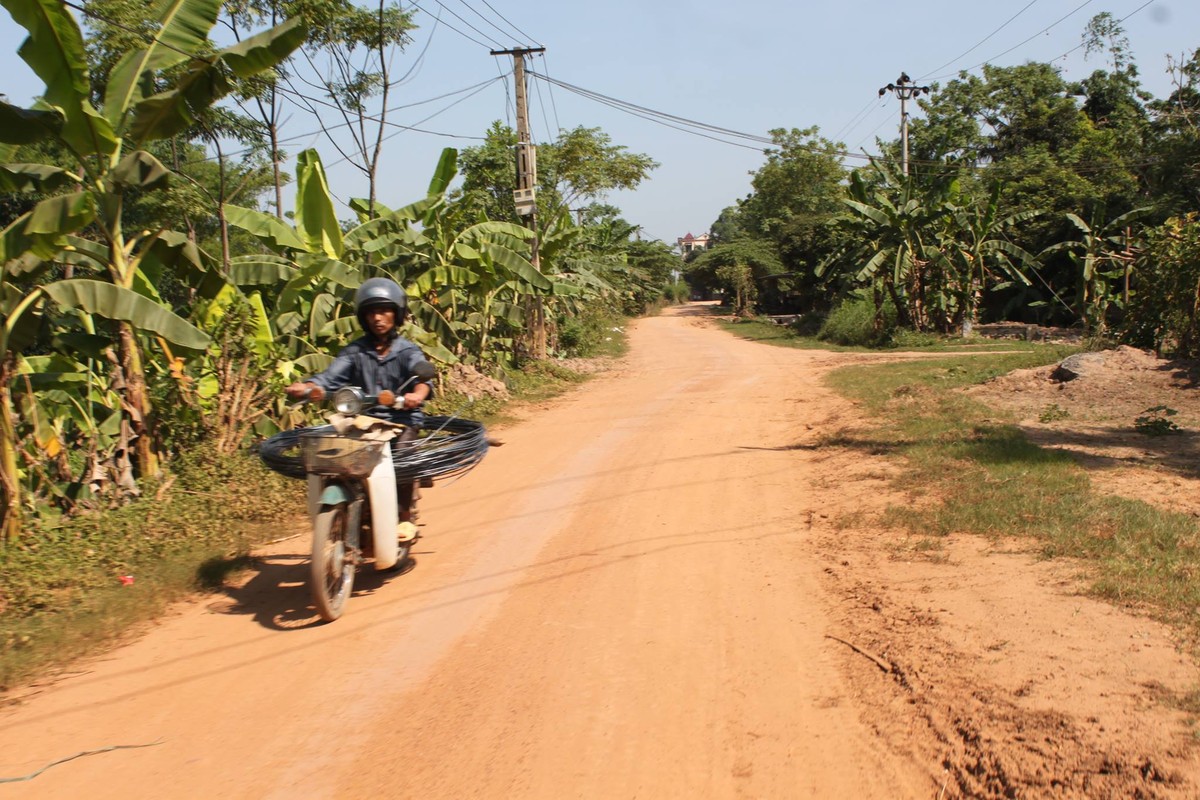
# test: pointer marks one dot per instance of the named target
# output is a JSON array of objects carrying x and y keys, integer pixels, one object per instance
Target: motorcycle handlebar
[{"x": 422, "y": 371}]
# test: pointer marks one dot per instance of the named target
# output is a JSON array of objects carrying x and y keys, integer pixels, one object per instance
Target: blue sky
[{"x": 748, "y": 66}]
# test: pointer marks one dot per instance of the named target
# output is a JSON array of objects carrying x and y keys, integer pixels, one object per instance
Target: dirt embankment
[{"x": 1133, "y": 420}]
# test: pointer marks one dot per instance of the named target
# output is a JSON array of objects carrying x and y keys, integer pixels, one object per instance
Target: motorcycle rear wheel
[{"x": 334, "y": 561}]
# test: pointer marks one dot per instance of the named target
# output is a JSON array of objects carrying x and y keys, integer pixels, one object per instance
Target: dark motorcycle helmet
[{"x": 379, "y": 292}]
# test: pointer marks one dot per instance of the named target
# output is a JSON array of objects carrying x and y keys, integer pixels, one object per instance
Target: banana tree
[
  {"x": 20, "y": 313},
  {"x": 1104, "y": 254},
  {"x": 976, "y": 256},
  {"x": 312, "y": 266},
  {"x": 893, "y": 226},
  {"x": 153, "y": 93},
  {"x": 468, "y": 273},
  {"x": 452, "y": 267}
]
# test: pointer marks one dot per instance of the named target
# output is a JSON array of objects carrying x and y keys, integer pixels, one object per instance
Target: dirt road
[{"x": 651, "y": 590}]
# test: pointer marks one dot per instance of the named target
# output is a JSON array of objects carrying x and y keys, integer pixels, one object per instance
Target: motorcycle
[{"x": 350, "y": 471}]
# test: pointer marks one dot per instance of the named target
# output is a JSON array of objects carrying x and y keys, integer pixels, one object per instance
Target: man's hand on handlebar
[
  {"x": 303, "y": 390},
  {"x": 418, "y": 395}
]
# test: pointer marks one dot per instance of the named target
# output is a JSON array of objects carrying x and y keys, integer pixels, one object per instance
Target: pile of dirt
[
  {"x": 1131, "y": 418},
  {"x": 469, "y": 381},
  {"x": 587, "y": 366}
]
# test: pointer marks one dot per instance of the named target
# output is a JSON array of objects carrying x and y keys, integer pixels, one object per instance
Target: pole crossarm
[{"x": 518, "y": 51}]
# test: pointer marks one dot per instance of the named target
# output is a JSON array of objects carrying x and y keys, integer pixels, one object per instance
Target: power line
[
  {"x": 514, "y": 27},
  {"x": 414, "y": 70},
  {"x": 659, "y": 121},
  {"x": 691, "y": 126},
  {"x": 508, "y": 101},
  {"x": 856, "y": 120},
  {"x": 451, "y": 27},
  {"x": 403, "y": 128},
  {"x": 871, "y": 135},
  {"x": 1046, "y": 29},
  {"x": 461, "y": 19},
  {"x": 477, "y": 13},
  {"x": 537, "y": 87},
  {"x": 593, "y": 95},
  {"x": 1084, "y": 43},
  {"x": 980, "y": 43},
  {"x": 324, "y": 129},
  {"x": 550, "y": 86}
]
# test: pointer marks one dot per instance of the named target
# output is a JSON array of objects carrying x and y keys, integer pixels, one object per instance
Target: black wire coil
[{"x": 447, "y": 446}]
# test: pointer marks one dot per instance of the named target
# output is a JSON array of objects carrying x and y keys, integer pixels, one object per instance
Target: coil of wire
[{"x": 448, "y": 446}]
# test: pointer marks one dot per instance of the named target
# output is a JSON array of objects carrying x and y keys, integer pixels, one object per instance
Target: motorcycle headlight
[{"x": 348, "y": 400}]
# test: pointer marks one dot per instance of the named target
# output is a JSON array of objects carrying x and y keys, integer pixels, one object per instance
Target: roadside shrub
[
  {"x": 807, "y": 324},
  {"x": 677, "y": 293},
  {"x": 1164, "y": 312},
  {"x": 852, "y": 323},
  {"x": 592, "y": 333}
]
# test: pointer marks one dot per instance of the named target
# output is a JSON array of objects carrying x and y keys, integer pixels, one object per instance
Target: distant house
[{"x": 689, "y": 244}]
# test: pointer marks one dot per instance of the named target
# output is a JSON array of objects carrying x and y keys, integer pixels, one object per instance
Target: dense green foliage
[
  {"x": 1030, "y": 197},
  {"x": 154, "y": 303}
]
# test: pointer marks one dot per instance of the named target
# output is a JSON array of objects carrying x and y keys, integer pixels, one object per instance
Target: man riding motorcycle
[{"x": 380, "y": 360}]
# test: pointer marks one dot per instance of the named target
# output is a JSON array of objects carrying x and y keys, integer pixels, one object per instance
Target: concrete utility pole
[
  {"x": 525, "y": 196},
  {"x": 906, "y": 90}
]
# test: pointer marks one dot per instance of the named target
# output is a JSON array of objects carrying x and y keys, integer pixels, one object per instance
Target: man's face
[{"x": 380, "y": 320}]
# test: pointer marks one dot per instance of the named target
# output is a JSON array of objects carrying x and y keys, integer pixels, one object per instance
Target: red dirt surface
[{"x": 663, "y": 585}]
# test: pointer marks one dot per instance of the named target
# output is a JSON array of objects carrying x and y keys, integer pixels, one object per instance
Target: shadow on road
[{"x": 277, "y": 595}]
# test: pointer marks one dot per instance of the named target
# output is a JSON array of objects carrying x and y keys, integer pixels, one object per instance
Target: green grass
[
  {"x": 985, "y": 477},
  {"x": 759, "y": 330},
  {"x": 61, "y": 588}
]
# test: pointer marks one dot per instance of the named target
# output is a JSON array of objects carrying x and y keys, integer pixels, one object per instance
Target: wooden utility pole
[{"x": 525, "y": 195}]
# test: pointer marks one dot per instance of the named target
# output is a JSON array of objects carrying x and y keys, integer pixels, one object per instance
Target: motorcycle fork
[{"x": 354, "y": 520}]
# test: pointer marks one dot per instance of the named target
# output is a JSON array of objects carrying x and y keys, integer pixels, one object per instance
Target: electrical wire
[
  {"x": 1054, "y": 24},
  {"x": 537, "y": 87},
  {"x": 1084, "y": 43},
  {"x": 550, "y": 87},
  {"x": 316, "y": 133},
  {"x": 508, "y": 100},
  {"x": 643, "y": 109},
  {"x": 690, "y": 126},
  {"x": 857, "y": 119},
  {"x": 479, "y": 14},
  {"x": 980, "y": 43},
  {"x": 658, "y": 121},
  {"x": 415, "y": 70},
  {"x": 402, "y": 128},
  {"x": 448, "y": 446},
  {"x": 456, "y": 30},
  {"x": 528, "y": 38},
  {"x": 871, "y": 135}
]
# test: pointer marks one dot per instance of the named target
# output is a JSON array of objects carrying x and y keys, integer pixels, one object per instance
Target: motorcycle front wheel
[{"x": 333, "y": 561}]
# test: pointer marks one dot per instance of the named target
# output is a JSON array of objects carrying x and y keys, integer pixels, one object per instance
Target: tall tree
[
  {"x": 350, "y": 57},
  {"x": 580, "y": 166}
]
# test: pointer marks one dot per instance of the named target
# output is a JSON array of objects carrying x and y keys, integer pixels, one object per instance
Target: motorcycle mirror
[{"x": 424, "y": 371}]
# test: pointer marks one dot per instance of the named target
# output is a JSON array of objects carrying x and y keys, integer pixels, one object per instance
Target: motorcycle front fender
[{"x": 335, "y": 493}]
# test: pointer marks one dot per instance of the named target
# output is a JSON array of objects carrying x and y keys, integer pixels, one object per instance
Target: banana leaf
[{"x": 115, "y": 302}]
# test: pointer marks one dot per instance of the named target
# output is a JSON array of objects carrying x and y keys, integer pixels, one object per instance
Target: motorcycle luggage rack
[{"x": 344, "y": 456}]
